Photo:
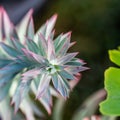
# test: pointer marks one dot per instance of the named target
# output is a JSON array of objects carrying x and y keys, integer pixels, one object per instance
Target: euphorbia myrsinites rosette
[{"x": 35, "y": 61}]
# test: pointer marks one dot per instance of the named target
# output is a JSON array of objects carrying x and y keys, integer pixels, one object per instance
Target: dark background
[{"x": 95, "y": 25}]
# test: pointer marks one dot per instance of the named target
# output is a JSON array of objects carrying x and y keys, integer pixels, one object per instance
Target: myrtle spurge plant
[{"x": 35, "y": 61}]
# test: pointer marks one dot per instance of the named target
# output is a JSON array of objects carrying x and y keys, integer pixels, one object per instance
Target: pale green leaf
[
  {"x": 115, "y": 56},
  {"x": 111, "y": 106}
]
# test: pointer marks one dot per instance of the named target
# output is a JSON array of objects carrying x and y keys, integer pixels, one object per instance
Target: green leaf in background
[
  {"x": 115, "y": 56},
  {"x": 111, "y": 106}
]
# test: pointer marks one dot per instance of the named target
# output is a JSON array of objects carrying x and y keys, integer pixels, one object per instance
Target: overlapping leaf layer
[
  {"x": 35, "y": 61},
  {"x": 111, "y": 106}
]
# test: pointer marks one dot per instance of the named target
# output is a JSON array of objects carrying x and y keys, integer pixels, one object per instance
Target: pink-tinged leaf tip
[
  {"x": 76, "y": 53},
  {"x": 1, "y": 9},
  {"x": 74, "y": 82},
  {"x": 54, "y": 17},
  {"x": 30, "y": 12},
  {"x": 72, "y": 44},
  {"x": 68, "y": 34},
  {"x": 82, "y": 61},
  {"x": 15, "y": 110}
]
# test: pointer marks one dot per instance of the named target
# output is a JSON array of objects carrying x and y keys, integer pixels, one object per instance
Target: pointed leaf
[
  {"x": 32, "y": 74},
  {"x": 75, "y": 69},
  {"x": 50, "y": 25},
  {"x": 26, "y": 28},
  {"x": 11, "y": 68},
  {"x": 52, "y": 35},
  {"x": 66, "y": 58},
  {"x": 51, "y": 50},
  {"x": 42, "y": 43},
  {"x": 66, "y": 75},
  {"x": 34, "y": 57},
  {"x": 20, "y": 93},
  {"x": 29, "y": 109},
  {"x": 47, "y": 28},
  {"x": 76, "y": 62},
  {"x": 46, "y": 100},
  {"x": 61, "y": 85},
  {"x": 4, "y": 21},
  {"x": 43, "y": 85},
  {"x": 9, "y": 50},
  {"x": 64, "y": 44},
  {"x": 32, "y": 45},
  {"x": 16, "y": 43},
  {"x": 57, "y": 41},
  {"x": 4, "y": 62},
  {"x": 4, "y": 90},
  {"x": 5, "y": 79},
  {"x": 74, "y": 82}
]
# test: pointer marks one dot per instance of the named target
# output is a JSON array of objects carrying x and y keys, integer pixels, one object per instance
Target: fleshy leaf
[
  {"x": 66, "y": 75},
  {"x": 38, "y": 58},
  {"x": 43, "y": 84},
  {"x": 33, "y": 57},
  {"x": 46, "y": 28},
  {"x": 16, "y": 43},
  {"x": 31, "y": 74},
  {"x": 67, "y": 58},
  {"x": 61, "y": 85},
  {"x": 29, "y": 109},
  {"x": 4, "y": 62},
  {"x": 111, "y": 106},
  {"x": 12, "y": 68},
  {"x": 42, "y": 43},
  {"x": 4, "y": 90},
  {"x": 5, "y": 79},
  {"x": 32, "y": 45},
  {"x": 75, "y": 70},
  {"x": 6, "y": 112},
  {"x": 75, "y": 62},
  {"x": 57, "y": 41},
  {"x": 4, "y": 21},
  {"x": 63, "y": 44},
  {"x": 9, "y": 50},
  {"x": 26, "y": 28},
  {"x": 51, "y": 50},
  {"x": 21, "y": 92},
  {"x": 50, "y": 25},
  {"x": 46, "y": 100}
]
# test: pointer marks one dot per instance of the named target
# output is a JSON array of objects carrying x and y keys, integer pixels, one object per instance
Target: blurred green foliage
[
  {"x": 95, "y": 25},
  {"x": 112, "y": 85}
]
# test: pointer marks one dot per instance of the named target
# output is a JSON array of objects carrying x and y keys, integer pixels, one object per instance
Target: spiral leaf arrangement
[{"x": 35, "y": 61}]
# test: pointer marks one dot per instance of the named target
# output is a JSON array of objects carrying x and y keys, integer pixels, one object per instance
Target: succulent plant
[{"x": 35, "y": 61}]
